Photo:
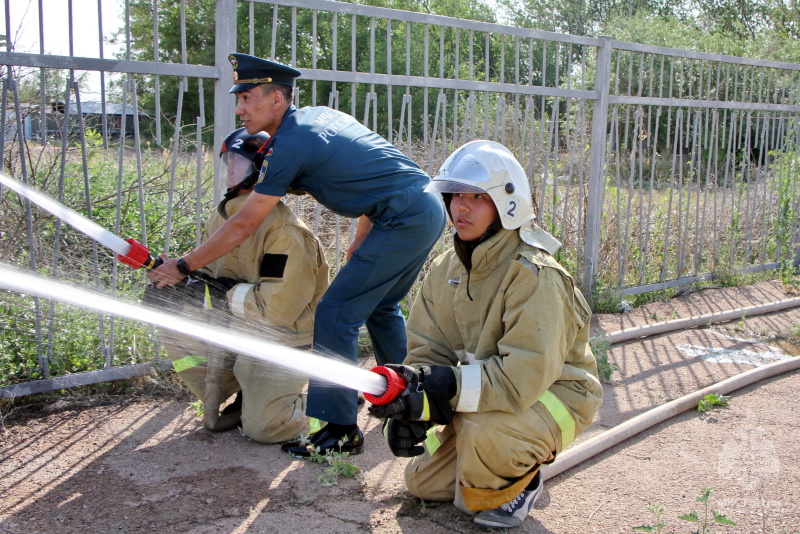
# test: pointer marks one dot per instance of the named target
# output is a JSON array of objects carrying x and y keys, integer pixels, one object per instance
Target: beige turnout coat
[
  {"x": 516, "y": 329},
  {"x": 282, "y": 274}
]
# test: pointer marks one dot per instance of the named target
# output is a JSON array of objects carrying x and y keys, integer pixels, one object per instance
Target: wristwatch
[{"x": 183, "y": 267}]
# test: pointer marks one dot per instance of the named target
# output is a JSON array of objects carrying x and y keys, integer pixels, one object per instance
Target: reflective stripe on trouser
[
  {"x": 190, "y": 359},
  {"x": 494, "y": 447},
  {"x": 368, "y": 290}
]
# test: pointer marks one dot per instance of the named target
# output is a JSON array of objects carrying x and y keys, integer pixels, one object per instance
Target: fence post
[
  {"x": 594, "y": 203},
  {"x": 224, "y": 102}
]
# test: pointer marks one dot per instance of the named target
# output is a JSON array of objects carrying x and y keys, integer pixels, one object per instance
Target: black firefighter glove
[
  {"x": 427, "y": 395},
  {"x": 404, "y": 437},
  {"x": 206, "y": 292}
]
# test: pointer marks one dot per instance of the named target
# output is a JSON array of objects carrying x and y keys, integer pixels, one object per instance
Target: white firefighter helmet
[{"x": 488, "y": 167}]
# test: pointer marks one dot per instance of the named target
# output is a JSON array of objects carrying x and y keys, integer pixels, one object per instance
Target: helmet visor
[
  {"x": 451, "y": 186},
  {"x": 236, "y": 168}
]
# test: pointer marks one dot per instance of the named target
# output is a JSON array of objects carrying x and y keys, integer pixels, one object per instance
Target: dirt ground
[{"x": 144, "y": 464}]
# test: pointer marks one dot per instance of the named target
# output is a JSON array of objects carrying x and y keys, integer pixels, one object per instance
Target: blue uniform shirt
[{"x": 347, "y": 167}]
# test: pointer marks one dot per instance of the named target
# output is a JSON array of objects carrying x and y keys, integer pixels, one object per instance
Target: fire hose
[
  {"x": 129, "y": 251},
  {"x": 134, "y": 254}
]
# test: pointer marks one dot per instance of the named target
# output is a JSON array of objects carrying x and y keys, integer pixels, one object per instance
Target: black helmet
[
  {"x": 242, "y": 155},
  {"x": 243, "y": 143}
]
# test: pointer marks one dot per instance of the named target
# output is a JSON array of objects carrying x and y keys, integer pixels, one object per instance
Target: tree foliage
[
  {"x": 199, "y": 49},
  {"x": 765, "y": 29}
]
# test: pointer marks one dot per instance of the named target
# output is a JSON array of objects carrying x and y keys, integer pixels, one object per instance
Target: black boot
[{"x": 327, "y": 440}]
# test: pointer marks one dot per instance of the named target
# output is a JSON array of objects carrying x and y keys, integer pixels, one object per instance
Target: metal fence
[{"x": 655, "y": 167}]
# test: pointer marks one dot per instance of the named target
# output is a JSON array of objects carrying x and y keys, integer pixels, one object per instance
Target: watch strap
[{"x": 183, "y": 267}]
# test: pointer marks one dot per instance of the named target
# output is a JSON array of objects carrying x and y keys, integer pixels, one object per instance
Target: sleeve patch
[{"x": 272, "y": 265}]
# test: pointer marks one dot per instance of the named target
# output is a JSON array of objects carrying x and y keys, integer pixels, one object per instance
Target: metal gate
[{"x": 655, "y": 167}]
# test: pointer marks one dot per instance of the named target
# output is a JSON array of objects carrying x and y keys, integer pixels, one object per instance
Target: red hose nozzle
[
  {"x": 395, "y": 385},
  {"x": 139, "y": 256}
]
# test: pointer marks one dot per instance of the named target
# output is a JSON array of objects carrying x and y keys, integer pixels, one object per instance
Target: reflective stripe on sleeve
[
  {"x": 187, "y": 362},
  {"x": 561, "y": 416},
  {"x": 239, "y": 297},
  {"x": 470, "y": 388},
  {"x": 432, "y": 441}
]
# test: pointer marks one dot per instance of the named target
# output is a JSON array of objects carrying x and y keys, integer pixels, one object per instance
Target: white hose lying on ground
[{"x": 592, "y": 447}]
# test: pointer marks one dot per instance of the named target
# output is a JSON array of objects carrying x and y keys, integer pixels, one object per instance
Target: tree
[{"x": 200, "y": 22}]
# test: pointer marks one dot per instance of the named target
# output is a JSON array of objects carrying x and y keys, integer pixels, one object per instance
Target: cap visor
[{"x": 241, "y": 87}]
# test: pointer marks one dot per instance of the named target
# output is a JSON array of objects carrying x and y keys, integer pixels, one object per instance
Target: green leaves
[
  {"x": 709, "y": 401},
  {"x": 705, "y": 519},
  {"x": 338, "y": 463}
]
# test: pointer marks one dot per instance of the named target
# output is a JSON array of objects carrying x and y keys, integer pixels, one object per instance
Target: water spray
[
  {"x": 380, "y": 389},
  {"x": 130, "y": 252},
  {"x": 314, "y": 365}
]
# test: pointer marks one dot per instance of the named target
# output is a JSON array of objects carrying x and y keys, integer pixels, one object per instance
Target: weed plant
[
  {"x": 600, "y": 347},
  {"x": 706, "y": 520},
  {"x": 337, "y": 463},
  {"x": 712, "y": 400}
]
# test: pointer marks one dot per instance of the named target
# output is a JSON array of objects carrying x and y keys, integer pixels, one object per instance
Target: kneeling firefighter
[
  {"x": 270, "y": 283},
  {"x": 498, "y": 351}
]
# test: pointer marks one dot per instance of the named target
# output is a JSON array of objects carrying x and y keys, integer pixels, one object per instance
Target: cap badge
[
  {"x": 233, "y": 60},
  {"x": 235, "y": 76}
]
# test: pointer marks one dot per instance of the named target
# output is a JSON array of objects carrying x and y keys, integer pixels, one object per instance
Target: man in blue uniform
[{"x": 354, "y": 172}]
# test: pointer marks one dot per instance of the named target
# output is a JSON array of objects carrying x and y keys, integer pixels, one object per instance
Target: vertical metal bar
[
  {"x": 104, "y": 116},
  {"x": 32, "y": 263},
  {"x": 176, "y": 136},
  {"x": 456, "y": 76},
  {"x": 407, "y": 95},
  {"x": 678, "y": 156},
  {"x": 42, "y": 89},
  {"x": 183, "y": 31},
  {"x": 3, "y": 122},
  {"x": 370, "y": 97},
  {"x": 157, "y": 79},
  {"x": 390, "y": 116},
  {"x": 486, "y": 67},
  {"x": 314, "y": 40},
  {"x": 224, "y": 103},
  {"x": 471, "y": 96},
  {"x": 516, "y": 94},
  {"x": 198, "y": 151},
  {"x": 251, "y": 23},
  {"x": 671, "y": 189},
  {"x": 441, "y": 97},
  {"x": 61, "y": 175},
  {"x": 294, "y": 36},
  {"x": 594, "y": 206},
  {"x": 117, "y": 219},
  {"x": 432, "y": 145},
  {"x": 104, "y": 349},
  {"x": 353, "y": 64},
  {"x": 425, "y": 73},
  {"x": 582, "y": 163},
  {"x": 616, "y": 154},
  {"x": 273, "y": 34}
]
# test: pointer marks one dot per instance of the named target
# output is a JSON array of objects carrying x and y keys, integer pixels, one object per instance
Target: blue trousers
[{"x": 368, "y": 290}]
